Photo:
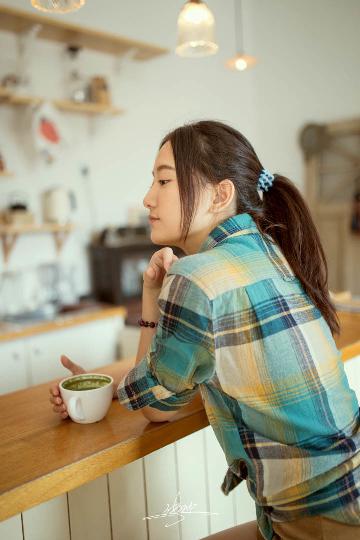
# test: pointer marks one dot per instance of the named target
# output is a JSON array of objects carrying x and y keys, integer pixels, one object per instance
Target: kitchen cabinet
[
  {"x": 90, "y": 345},
  {"x": 14, "y": 374},
  {"x": 33, "y": 360},
  {"x": 128, "y": 341}
]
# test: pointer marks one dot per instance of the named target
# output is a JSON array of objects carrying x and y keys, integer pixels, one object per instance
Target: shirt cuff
[{"x": 140, "y": 388}]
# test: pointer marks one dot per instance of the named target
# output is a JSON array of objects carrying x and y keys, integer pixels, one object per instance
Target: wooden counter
[
  {"x": 11, "y": 331},
  {"x": 42, "y": 456}
]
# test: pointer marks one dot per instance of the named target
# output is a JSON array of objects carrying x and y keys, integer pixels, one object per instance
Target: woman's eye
[{"x": 166, "y": 181}]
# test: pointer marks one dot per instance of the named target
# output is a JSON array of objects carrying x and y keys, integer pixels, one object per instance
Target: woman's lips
[{"x": 152, "y": 220}]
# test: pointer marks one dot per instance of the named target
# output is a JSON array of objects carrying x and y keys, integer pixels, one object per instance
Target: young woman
[{"x": 245, "y": 317}]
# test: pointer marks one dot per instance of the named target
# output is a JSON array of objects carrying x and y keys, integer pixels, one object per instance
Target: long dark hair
[{"x": 208, "y": 152}]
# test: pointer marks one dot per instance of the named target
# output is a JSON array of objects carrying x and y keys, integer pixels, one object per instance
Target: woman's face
[{"x": 163, "y": 202}]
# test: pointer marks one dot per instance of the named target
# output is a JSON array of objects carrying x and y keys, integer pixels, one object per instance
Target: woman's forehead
[{"x": 164, "y": 158}]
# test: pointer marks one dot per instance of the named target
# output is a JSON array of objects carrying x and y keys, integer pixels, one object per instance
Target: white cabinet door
[
  {"x": 91, "y": 345},
  {"x": 13, "y": 367},
  {"x": 129, "y": 338}
]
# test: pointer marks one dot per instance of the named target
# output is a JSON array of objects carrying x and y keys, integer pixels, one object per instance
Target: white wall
[{"x": 308, "y": 71}]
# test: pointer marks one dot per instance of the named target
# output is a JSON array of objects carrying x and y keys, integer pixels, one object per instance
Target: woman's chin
[{"x": 161, "y": 240}]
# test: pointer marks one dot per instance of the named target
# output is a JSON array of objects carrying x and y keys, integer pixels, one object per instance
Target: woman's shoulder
[{"x": 195, "y": 268}]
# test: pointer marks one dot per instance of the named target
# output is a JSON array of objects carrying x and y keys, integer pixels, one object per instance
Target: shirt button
[{"x": 288, "y": 278}]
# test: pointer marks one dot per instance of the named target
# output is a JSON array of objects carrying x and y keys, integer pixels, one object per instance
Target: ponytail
[{"x": 287, "y": 219}]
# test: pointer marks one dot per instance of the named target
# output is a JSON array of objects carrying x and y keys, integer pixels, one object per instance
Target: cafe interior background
[{"x": 79, "y": 131}]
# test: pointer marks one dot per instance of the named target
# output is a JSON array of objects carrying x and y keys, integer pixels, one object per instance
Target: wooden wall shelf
[
  {"x": 6, "y": 174},
  {"x": 87, "y": 108},
  {"x": 9, "y": 98},
  {"x": 10, "y": 233},
  {"x": 14, "y": 20}
]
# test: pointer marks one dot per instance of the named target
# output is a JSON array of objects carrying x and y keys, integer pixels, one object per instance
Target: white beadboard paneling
[
  {"x": 219, "y": 503},
  {"x": 128, "y": 502},
  {"x": 244, "y": 504},
  {"x": 11, "y": 529},
  {"x": 192, "y": 486},
  {"x": 89, "y": 508},
  {"x": 161, "y": 491},
  {"x": 49, "y": 516}
]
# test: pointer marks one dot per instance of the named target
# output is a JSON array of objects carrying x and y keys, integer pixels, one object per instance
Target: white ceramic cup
[{"x": 88, "y": 404}]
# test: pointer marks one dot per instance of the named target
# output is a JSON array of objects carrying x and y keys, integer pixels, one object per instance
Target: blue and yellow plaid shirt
[{"x": 236, "y": 324}]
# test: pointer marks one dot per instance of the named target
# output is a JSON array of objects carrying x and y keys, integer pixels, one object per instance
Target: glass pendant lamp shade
[
  {"x": 196, "y": 30},
  {"x": 57, "y": 6}
]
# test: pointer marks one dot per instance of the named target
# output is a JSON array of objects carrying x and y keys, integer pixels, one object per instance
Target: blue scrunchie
[{"x": 265, "y": 181}]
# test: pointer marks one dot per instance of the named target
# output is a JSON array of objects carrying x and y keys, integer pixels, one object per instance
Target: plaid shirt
[{"x": 236, "y": 324}]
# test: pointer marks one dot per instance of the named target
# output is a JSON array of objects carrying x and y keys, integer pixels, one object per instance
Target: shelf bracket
[
  {"x": 8, "y": 243},
  {"x": 60, "y": 239}
]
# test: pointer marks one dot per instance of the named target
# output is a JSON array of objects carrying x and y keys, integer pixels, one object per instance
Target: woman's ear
[{"x": 224, "y": 194}]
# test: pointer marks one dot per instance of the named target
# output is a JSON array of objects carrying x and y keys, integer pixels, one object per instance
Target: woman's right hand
[
  {"x": 159, "y": 264},
  {"x": 55, "y": 396}
]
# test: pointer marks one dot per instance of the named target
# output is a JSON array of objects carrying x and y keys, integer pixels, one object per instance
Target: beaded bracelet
[{"x": 152, "y": 324}]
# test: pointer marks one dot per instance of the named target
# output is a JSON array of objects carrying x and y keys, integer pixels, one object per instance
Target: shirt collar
[{"x": 233, "y": 226}]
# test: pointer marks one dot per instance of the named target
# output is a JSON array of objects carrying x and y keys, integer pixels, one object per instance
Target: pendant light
[
  {"x": 196, "y": 29},
  {"x": 57, "y": 6},
  {"x": 240, "y": 61}
]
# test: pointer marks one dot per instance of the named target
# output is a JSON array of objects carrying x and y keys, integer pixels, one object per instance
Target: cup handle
[{"x": 73, "y": 408}]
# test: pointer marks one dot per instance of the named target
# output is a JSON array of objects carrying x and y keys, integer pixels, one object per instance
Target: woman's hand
[
  {"x": 55, "y": 396},
  {"x": 159, "y": 264}
]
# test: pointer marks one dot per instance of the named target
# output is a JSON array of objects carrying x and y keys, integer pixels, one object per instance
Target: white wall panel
[{"x": 128, "y": 502}]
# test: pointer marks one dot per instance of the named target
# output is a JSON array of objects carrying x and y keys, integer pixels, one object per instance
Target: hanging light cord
[{"x": 239, "y": 32}]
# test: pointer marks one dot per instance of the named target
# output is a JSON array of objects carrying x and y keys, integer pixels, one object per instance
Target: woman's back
[{"x": 278, "y": 397}]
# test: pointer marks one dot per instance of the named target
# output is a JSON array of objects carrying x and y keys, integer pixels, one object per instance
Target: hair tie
[{"x": 265, "y": 180}]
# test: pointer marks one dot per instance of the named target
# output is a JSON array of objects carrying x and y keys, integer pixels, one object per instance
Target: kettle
[{"x": 58, "y": 204}]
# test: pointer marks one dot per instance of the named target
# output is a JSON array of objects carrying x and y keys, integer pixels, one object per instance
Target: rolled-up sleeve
[{"x": 181, "y": 353}]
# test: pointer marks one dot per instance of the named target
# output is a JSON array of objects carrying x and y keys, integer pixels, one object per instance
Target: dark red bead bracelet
[{"x": 152, "y": 324}]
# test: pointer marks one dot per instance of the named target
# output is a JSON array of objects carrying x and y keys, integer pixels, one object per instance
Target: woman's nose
[{"x": 148, "y": 200}]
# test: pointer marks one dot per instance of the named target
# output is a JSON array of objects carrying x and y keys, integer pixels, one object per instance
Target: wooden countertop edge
[
  {"x": 76, "y": 474},
  {"x": 350, "y": 351},
  {"x": 66, "y": 322}
]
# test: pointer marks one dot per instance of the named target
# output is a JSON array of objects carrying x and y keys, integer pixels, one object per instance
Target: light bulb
[{"x": 240, "y": 64}]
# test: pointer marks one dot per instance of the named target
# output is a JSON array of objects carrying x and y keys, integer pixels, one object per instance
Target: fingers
[
  {"x": 55, "y": 390},
  {"x": 164, "y": 258},
  {"x": 69, "y": 364},
  {"x": 55, "y": 400},
  {"x": 59, "y": 406}
]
